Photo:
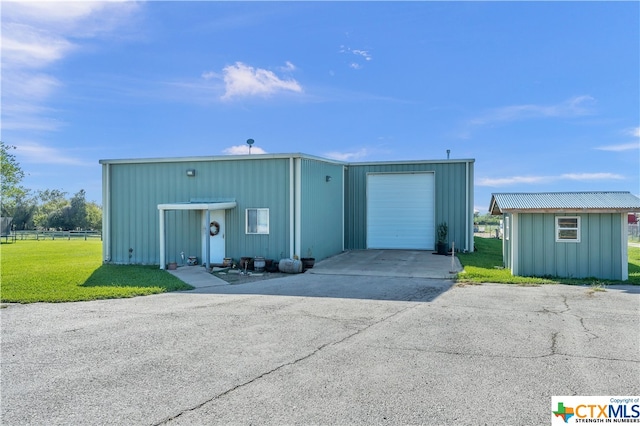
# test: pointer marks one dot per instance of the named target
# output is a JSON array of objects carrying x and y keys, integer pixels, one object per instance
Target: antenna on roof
[
  {"x": 250, "y": 142},
  {"x": 448, "y": 152}
]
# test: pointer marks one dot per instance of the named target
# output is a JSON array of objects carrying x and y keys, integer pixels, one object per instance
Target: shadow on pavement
[{"x": 335, "y": 286}]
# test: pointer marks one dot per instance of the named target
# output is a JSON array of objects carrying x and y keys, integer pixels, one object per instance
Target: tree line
[{"x": 44, "y": 209}]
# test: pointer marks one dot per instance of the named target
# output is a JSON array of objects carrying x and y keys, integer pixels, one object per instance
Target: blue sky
[{"x": 545, "y": 96}]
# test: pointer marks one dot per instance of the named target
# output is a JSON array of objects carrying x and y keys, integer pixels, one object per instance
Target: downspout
[{"x": 291, "y": 208}]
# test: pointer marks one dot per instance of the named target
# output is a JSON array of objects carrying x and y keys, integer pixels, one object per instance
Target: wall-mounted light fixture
[
  {"x": 327, "y": 178},
  {"x": 191, "y": 172}
]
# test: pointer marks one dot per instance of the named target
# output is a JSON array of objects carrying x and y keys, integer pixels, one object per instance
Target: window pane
[
  {"x": 262, "y": 223},
  {"x": 252, "y": 221},
  {"x": 568, "y": 234},
  {"x": 567, "y": 222}
]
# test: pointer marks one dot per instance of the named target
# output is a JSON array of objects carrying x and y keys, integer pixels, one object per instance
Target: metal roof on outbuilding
[{"x": 605, "y": 201}]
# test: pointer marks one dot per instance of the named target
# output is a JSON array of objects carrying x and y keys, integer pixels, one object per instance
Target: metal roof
[
  {"x": 609, "y": 201},
  {"x": 269, "y": 156}
]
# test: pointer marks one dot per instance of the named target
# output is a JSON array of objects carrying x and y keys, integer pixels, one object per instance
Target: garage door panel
[{"x": 400, "y": 211}]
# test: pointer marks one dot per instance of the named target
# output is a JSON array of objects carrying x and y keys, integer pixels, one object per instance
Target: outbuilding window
[
  {"x": 568, "y": 229},
  {"x": 257, "y": 221}
]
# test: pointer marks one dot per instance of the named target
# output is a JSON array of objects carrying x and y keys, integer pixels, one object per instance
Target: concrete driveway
[
  {"x": 319, "y": 349},
  {"x": 390, "y": 263}
]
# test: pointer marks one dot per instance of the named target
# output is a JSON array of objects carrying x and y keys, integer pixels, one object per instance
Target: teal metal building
[
  {"x": 565, "y": 234},
  {"x": 157, "y": 211}
]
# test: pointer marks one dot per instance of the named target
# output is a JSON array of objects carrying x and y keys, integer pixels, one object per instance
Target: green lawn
[
  {"x": 69, "y": 271},
  {"x": 485, "y": 265}
]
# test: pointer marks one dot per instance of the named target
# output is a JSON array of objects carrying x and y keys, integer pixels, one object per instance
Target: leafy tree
[
  {"x": 47, "y": 209},
  {"x": 94, "y": 216},
  {"x": 22, "y": 208},
  {"x": 60, "y": 219},
  {"x": 49, "y": 201},
  {"x": 73, "y": 214},
  {"x": 487, "y": 219},
  {"x": 10, "y": 177},
  {"x": 78, "y": 211}
]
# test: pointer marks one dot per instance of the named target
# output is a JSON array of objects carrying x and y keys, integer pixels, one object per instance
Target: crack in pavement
[
  {"x": 500, "y": 356},
  {"x": 281, "y": 366},
  {"x": 554, "y": 343},
  {"x": 590, "y": 335}
]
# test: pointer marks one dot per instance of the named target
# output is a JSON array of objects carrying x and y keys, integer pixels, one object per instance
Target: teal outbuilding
[
  {"x": 163, "y": 210},
  {"x": 566, "y": 234}
]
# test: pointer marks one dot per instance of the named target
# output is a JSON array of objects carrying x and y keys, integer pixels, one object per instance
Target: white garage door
[{"x": 400, "y": 211}]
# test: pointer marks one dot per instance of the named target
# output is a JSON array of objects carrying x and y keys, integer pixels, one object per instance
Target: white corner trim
[
  {"x": 162, "y": 239},
  {"x": 106, "y": 213},
  {"x": 624, "y": 261},
  {"x": 298, "y": 207},
  {"x": 468, "y": 224},
  {"x": 344, "y": 169},
  {"x": 515, "y": 266},
  {"x": 292, "y": 193}
]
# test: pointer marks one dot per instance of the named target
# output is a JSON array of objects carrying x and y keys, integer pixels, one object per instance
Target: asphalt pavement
[{"x": 319, "y": 349}]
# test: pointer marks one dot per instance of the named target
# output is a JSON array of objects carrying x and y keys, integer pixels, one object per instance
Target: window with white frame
[
  {"x": 257, "y": 221},
  {"x": 568, "y": 229}
]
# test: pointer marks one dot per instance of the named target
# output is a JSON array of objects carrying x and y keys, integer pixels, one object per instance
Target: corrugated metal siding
[
  {"x": 321, "y": 216},
  {"x": 450, "y": 202},
  {"x": 137, "y": 189},
  {"x": 567, "y": 200},
  {"x": 598, "y": 253}
]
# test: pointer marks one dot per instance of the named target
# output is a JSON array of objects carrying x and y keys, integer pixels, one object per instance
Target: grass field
[
  {"x": 485, "y": 266},
  {"x": 68, "y": 271}
]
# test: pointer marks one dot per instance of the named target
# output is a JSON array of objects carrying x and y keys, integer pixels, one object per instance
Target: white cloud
[
  {"x": 362, "y": 54},
  {"x": 288, "y": 67},
  {"x": 528, "y": 180},
  {"x": 28, "y": 86},
  {"x": 633, "y": 132},
  {"x": 591, "y": 176},
  {"x": 210, "y": 75},
  {"x": 243, "y": 150},
  {"x": 35, "y": 153},
  {"x": 512, "y": 180},
  {"x": 573, "y": 107},
  {"x": 25, "y": 46},
  {"x": 347, "y": 156},
  {"x": 620, "y": 147},
  {"x": 36, "y": 35},
  {"x": 24, "y": 94},
  {"x": 74, "y": 18},
  {"x": 242, "y": 80}
]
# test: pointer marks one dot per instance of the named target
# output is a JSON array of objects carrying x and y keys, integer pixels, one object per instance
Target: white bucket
[{"x": 290, "y": 266}]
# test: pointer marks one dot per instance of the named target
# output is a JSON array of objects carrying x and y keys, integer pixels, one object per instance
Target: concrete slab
[
  {"x": 197, "y": 276},
  {"x": 390, "y": 263},
  {"x": 397, "y": 351},
  {"x": 364, "y": 263}
]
